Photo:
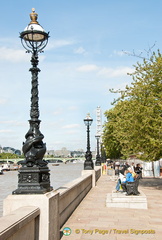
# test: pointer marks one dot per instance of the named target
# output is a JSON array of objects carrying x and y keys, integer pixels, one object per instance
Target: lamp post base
[
  {"x": 33, "y": 180},
  {"x": 98, "y": 161},
  {"x": 88, "y": 165}
]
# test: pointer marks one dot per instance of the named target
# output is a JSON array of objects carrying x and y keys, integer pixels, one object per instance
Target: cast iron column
[{"x": 98, "y": 158}]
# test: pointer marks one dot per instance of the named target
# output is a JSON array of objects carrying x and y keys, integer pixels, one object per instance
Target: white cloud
[
  {"x": 87, "y": 68},
  {"x": 6, "y": 131},
  {"x": 115, "y": 72},
  {"x": 70, "y": 132},
  {"x": 58, "y": 43},
  {"x": 69, "y": 126},
  {"x": 10, "y": 42},
  {"x": 80, "y": 50},
  {"x": 13, "y": 55},
  {"x": 119, "y": 53},
  {"x": 57, "y": 112},
  {"x": 106, "y": 71},
  {"x": 13, "y": 123}
]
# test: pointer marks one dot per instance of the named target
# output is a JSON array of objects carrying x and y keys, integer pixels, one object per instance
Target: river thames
[{"x": 60, "y": 175}]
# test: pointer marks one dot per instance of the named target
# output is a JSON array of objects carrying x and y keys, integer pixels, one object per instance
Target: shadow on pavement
[{"x": 151, "y": 182}]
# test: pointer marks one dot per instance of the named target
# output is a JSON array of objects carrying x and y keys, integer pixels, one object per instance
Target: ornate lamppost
[
  {"x": 88, "y": 164},
  {"x": 103, "y": 153},
  {"x": 34, "y": 176},
  {"x": 98, "y": 158}
]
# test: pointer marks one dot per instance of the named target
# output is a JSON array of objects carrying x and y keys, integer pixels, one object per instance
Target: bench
[{"x": 131, "y": 187}]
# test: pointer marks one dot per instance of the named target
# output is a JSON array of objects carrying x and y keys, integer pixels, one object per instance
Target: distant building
[
  {"x": 50, "y": 153},
  {"x": 77, "y": 153},
  {"x": 58, "y": 153},
  {"x": 10, "y": 150},
  {"x": 17, "y": 152},
  {"x": 65, "y": 153},
  {"x": 62, "y": 153}
]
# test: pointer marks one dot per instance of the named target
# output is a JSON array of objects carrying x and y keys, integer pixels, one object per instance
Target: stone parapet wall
[
  {"x": 20, "y": 224},
  {"x": 71, "y": 195},
  {"x": 98, "y": 173}
]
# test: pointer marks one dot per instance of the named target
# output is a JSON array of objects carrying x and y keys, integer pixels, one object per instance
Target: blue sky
[{"x": 82, "y": 61}]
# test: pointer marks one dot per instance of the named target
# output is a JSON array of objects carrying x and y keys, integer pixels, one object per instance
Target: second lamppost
[
  {"x": 98, "y": 158},
  {"x": 34, "y": 176},
  {"x": 88, "y": 164},
  {"x": 103, "y": 153}
]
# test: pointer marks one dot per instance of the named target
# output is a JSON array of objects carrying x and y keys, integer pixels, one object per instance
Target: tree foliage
[
  {"x": 9, "y": 156},
  {"x": 135, "y": 121},
  {"x": 113, "y": 147}
]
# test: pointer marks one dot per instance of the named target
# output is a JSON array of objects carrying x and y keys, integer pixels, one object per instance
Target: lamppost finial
[
  {"x": 33, "y": 17},
  {"x": 88, "y": 115}
]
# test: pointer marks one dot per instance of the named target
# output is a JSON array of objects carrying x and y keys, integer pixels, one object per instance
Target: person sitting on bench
[
  {"x": 129, "y": 179},
  {"x": 131, "y": 184},
  {"x": 121, "y": 178}
]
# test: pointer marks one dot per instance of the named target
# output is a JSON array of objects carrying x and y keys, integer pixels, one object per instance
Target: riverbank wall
[{"x": 40, "y": 217}]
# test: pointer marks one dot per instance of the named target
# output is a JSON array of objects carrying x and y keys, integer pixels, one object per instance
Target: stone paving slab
[{"x": 92, "y": 220}]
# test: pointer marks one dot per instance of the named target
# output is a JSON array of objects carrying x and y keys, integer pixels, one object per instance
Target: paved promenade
[{"x": 92, "y": 220}]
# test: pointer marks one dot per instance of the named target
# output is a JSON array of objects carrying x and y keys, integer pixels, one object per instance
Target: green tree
[
  {"x": 137, "y": 120},
  {"x": 113, "y": 147},
  {"x": 8, "y": 156}
]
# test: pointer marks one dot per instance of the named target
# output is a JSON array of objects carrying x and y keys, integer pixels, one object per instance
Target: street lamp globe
[
  {"x": 88, "y": 120},
  {"x": 34, "y": 37},
  {"x": 97, "y": 137}
]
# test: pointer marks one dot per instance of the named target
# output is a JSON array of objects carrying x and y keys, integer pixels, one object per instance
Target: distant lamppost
[
  {"x": 34, "y": 176},
  {"x": 103, "y": 153},
  {"x": 98, "y": 158},
  {"x": 88, "y": 164}
]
